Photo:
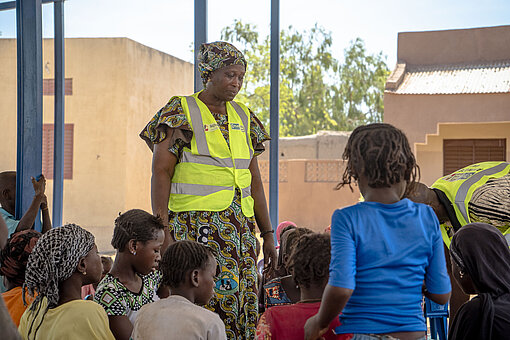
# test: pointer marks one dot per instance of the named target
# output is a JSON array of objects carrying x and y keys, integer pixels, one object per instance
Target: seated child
[
  {"x": 309, "y": 264},
  {"x": 88, "y": 291},
  {"x": 63, "y": 260},
  {"x": 189, "y": 269},
  {"x": 13, "y": 262},
  {"x": 283, "y": 290},
  {"x": 133, "y": 280}
]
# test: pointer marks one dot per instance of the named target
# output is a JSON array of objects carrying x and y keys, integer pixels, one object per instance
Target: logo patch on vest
[
  {"x": 210, "y": 127},
  {"x": 237, "y": 126},
  {"x": 457, "y": 176}
]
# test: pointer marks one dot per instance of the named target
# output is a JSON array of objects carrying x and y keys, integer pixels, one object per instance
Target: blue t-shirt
[{"x": 384, "y": 252}]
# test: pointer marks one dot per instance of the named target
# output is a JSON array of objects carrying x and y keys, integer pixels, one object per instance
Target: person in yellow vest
[
  {"x": 206, "y": 183},
  {"x": 477, "y": 193}
]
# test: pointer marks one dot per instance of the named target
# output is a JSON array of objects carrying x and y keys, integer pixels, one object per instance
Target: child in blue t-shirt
[{"x": 384, "y": 248}]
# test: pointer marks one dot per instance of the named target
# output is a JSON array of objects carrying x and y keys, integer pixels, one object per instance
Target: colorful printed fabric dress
[{"x": 228, "y": 232}]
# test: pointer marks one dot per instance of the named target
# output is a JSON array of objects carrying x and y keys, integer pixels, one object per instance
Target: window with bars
[
  {"x": 459, "y": 153},
  {"x": 49, "y": 87},
  {"x": 47, "y": 150}
]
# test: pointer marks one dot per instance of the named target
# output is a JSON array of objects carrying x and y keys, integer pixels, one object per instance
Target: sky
[{"x": 167, "y": 25}]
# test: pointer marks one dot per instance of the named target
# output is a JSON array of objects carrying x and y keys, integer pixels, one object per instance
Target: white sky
[{"x": 167, "y": 25}]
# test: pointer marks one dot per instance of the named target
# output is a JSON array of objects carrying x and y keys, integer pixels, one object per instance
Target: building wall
[
  {"x": 418, "y": 115},
  {"x": 454, "y": 46},
  {"x": 118, "y": 85},
  {"x": 429, "y": 155}
]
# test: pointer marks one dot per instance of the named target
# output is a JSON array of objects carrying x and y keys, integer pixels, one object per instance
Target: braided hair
[
  {"x": 53, "y": 260},
  {"x": 14, "y": 256},
  {"x": 309, "y": 259},
  {"x": 381, "y": 153},
  {"x": 135, "y": 224},
  {"x": 292, "y": 237},
  {"x": 182, "y": 257}
]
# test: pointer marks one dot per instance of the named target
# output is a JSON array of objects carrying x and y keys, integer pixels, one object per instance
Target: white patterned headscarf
[{"x": 54, "y": 259}]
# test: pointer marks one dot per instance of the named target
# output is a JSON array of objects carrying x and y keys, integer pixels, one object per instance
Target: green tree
[{"x": 316, "y": 91}]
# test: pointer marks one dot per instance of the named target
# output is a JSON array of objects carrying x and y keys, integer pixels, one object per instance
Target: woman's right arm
[{"x": 163, "y": 165}]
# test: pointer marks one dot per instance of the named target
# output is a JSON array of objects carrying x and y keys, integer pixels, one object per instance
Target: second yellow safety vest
[
  {"x": 208, "y": 173},
  {"x": 460, "y": 185}
]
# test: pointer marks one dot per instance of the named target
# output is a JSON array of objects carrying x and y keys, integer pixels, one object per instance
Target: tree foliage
[{"x": 317, "y": 92}]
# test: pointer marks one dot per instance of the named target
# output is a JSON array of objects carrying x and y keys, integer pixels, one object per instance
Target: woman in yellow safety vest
[{"x": 206, "y": 183}]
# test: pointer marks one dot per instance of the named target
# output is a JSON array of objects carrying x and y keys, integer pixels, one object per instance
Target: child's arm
[
  {"x": 333, "y": 302},
  {"x": 4, "y": 233},
  {"x": 46, "y": 221},
  {"x": 28, "y": 219},
  {"x": 120, "y": 326}
]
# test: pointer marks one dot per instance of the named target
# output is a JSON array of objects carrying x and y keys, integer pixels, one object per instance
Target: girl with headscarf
[
  {"x": 481, "y": 265},
  {"x": 63, "y": 260},
  {"x": 13, "y": 262},
  {"x": 206, "y": 183}
]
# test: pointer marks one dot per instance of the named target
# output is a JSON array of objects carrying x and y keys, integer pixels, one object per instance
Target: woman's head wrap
[
  {"x": 482, "y": 251},
  {"x": 218, "y": 54},
  {"x": 14, "y": 256},
  {"x": 54, "y": 259}
]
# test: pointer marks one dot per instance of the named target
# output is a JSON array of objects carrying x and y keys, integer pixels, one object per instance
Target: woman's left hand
[{"x": 269, "y": 250}]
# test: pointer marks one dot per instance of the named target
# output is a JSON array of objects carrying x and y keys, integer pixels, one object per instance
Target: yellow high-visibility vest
[
  {"x": 460, "y": 185},
  {"x": 207, "y": 175}
]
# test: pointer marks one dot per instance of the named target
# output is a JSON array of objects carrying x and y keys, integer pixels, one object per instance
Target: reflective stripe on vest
[
  {"x": 460, "y": 197},
  {"x": 199, "y": 134},
  {"x": 197, "y": 189}
]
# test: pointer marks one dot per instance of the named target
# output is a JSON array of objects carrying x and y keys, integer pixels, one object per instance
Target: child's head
[
  {"x": 59, "y": 254},
  {"x": 107, "y": 263},
  {"x": 309, "y": 260},
  {"x": 14, "y": 256},
  {"x": 191, "y": 266},
  {"x": 380, "y": 153},
  {"x": 8, "y": 189},
  {"x": 288, "y": 241},
  {"x": 139, "y": 235}
]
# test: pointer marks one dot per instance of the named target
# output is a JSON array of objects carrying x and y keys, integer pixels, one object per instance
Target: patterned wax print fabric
[
  {"x": 216, "y": 55},
  {"x": 274, "y": 294},
  {"x": 116, "y": 299},
  {"x": 228, "y": 232}
]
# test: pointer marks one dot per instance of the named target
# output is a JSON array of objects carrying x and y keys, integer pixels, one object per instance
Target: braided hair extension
[
  {"x": 292, "y": 237},
  {"x": 135, "y": 224},
  {"x": 382, "y": 153},
  {"x": 309, "y": 260},
  {"x": 14, "y": 256},
  {"x": 182, "y": 257},
  {"x": 53, "y": 260}
]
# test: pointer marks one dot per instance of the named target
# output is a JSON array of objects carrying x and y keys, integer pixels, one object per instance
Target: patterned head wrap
[
  {"x": 54, "y": 259},
  {"x": 14, "y": 257},
  {"x": 216, "y": 55}
]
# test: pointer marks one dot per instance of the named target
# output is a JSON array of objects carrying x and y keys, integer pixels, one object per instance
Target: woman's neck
[
  {"x": 70, "y": 289},
  {"x": 123, "y": 269},
  {"x": 214, "y": 103}
]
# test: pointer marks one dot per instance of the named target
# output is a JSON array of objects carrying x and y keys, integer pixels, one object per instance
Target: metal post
[
  {"x": 58, "y": 144},
  {"x": 274, "y": 109},
  {"x": 200, "y": 36},
  {"x": 29, "y": 141}
]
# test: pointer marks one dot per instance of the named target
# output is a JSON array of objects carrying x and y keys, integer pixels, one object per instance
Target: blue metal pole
[
  {"x": 58, "y": 144},
  {"x": 200, "y": 36},
  {"x": 274, "y": 109},
  {"x": 29, "y": 141}
]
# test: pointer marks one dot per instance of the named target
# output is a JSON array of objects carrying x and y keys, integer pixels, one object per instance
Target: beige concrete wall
[
  {"x": 303, "y": 199},
  {"x": 454, "y": 46},
  {"x": 323, "y": 145},
  {"x": 429, "y": 155},
  {"x": 418, "y": 115},
  {"x": 118, "y": 85}
]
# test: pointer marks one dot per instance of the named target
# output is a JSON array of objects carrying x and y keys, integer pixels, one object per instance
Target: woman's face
[
  {"x": 148, "y": 254},
  {"x": 93, "y": 266},
  {"x": 226, "y": 82},
  {"x": 464, "y": 281}
]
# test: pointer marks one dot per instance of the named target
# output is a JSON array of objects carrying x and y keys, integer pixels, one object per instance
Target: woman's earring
[
  {"x": 461, "y": 274},
  {"x": 133, "y": 252},
  {"x": 84, "y": 273}
]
